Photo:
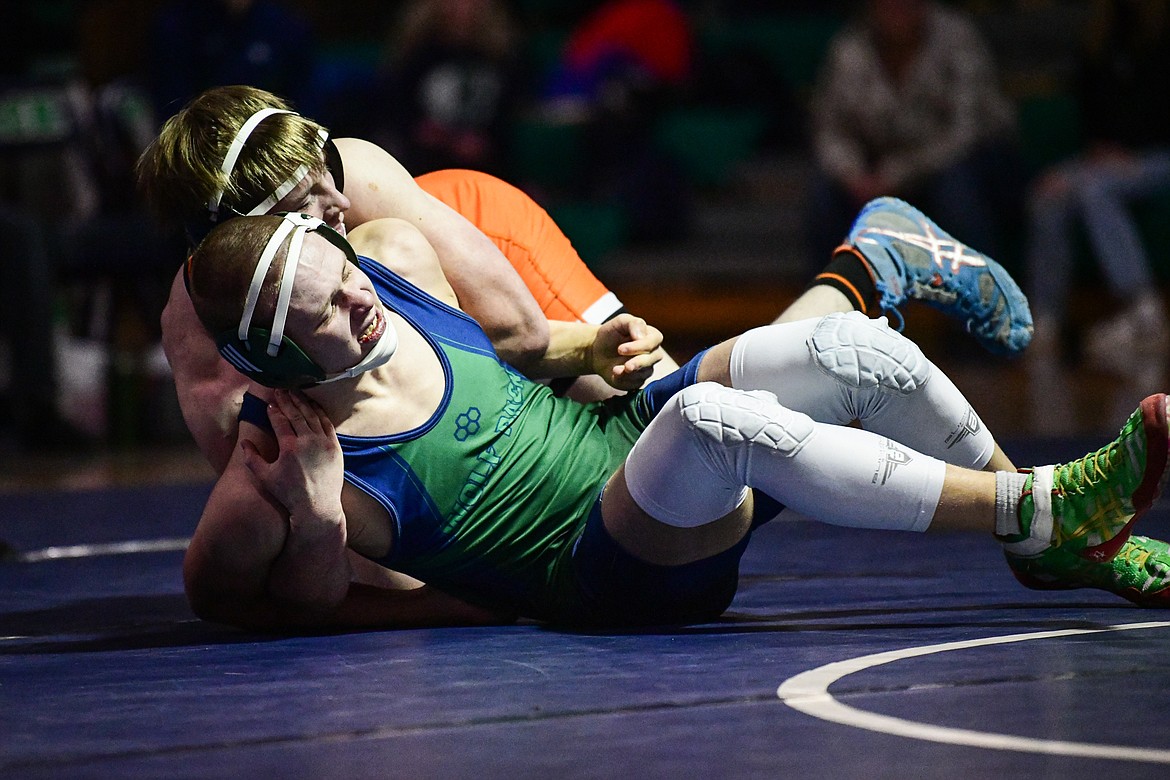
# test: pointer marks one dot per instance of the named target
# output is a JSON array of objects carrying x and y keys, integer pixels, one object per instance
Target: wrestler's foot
[
  {"x": 1088, "y": 507},
  {"x": 911, "y": 257},
  {"x": 1140, "y": 572}
]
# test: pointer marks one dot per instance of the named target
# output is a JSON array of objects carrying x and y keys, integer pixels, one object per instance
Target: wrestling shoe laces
[
  {"x": 1088, "y": 506},
  {"x": 1139, "y": 573},
  {"x": 910, "y": 257}
]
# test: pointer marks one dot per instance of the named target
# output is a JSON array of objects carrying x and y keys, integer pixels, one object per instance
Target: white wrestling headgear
[
  {"x": 233, "y": 155},
  {"x": 268, "y": 356}
]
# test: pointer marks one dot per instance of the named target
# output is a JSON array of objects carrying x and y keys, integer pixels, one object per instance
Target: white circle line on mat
[{"x": 808, "y": 692}]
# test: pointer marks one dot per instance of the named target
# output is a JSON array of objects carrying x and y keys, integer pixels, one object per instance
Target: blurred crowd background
[{"x": 703, "y": 156}]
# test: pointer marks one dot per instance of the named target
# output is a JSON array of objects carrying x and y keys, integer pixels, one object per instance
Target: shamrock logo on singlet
[{"x": 467, "y": 424}]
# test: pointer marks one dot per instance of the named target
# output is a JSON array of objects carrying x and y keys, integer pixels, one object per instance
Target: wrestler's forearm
[
  {"x": 569, "y": 351},
  {"x": 313, "y": 568},
  {"x": 208, "y": 389},
  {"x": 489, "y": 289},
  {"x": 366, "y": 606}
]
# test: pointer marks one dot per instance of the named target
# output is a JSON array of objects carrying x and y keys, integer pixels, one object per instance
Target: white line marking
[
  {"x": 107, "y": 548},
  {"x": 808, "y": 692}
]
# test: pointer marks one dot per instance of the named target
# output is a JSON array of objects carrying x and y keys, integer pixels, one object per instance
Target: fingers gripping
[
  {"x": 306, "y": 474},
  {"x": 298, "y": 415}
]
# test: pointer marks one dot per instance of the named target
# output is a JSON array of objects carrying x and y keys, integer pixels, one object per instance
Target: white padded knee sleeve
[
  {"x": 693, "y": 463},
  {"x": 867, "y": 354},
  {"x": 678, "y": 472},
  {"x": 845, "y": 367}
]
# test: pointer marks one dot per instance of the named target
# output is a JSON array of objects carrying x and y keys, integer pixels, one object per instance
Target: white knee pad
[
  {"x": 696, "y": 460},
  {"x": 733, "y": 419},
  {"x": 845, "y": 367},
  {"x": 867, "y": 354},
  {"x": 690, "y": 466},
  {"x": 831, "y": 368}
]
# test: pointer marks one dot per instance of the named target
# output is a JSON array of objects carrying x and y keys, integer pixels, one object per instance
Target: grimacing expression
[{"x": 334, "y": 313}]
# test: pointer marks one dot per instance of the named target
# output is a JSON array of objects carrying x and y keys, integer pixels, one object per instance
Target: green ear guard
[
  {"x": 290, "y": 368},
  {"x": 266, "y": 355}
]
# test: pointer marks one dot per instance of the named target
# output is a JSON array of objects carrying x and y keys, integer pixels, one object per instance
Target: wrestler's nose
[
  {"x": 336, "y": 209},
  {"x": 337, "y": 198},
  {"x": 359, "y": 299}
]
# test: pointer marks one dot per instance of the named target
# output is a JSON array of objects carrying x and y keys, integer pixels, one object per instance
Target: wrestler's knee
[
  {"x": 735, "y": 418},
  {"x": 863, "y": 353}
]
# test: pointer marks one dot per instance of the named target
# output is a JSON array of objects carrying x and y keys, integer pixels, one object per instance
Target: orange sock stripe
[
  {"x": 853, "y": 251},
  {"x": 857, "y": 297}
]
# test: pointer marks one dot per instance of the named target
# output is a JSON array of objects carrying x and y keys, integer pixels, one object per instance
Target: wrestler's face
[
  {"x": 334, "y": 313},
  {"x": 317, "y": 195}
]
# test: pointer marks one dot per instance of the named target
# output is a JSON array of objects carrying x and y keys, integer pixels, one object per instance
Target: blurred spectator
[
  {"x": 198, "y": 44},
  {"x": 29, "y": 327},
  {"x": 908, "y": 104},
  {"x": 1124, "y": 70},
  {"x": 623, "y": 65},
  {"x": 451, "y": 86},
  {"x": 113, "y": 239},
  {"x": 36, "y": 171},
  {"x": 78, "y": 249},
  {"x": 647, "y": 42}
]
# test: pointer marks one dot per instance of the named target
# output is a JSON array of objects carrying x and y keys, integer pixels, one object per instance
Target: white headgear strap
[
  {"x": 298, "y": 224},
  {"x": 233, "y": 156}
]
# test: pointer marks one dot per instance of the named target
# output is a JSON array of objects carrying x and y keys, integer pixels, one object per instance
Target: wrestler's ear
[{"x": 290, "y": 368}]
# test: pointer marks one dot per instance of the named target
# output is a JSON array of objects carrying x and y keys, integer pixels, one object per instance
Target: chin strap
[{"x": 383, "y": 350}]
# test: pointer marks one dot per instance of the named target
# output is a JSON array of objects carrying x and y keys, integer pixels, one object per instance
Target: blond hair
[{"x": 181, "y": 169}]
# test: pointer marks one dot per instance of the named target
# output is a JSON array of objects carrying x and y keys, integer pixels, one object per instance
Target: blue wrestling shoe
[{"x": 911, "y": 257}]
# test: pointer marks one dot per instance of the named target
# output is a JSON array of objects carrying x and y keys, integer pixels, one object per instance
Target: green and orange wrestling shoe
[
  {"x": 1088, "y": 507},
  {"x": 1139, "y": 573}
]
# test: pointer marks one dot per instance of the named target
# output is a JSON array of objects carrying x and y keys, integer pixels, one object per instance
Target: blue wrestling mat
[{"x": 846, "y": 655}]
